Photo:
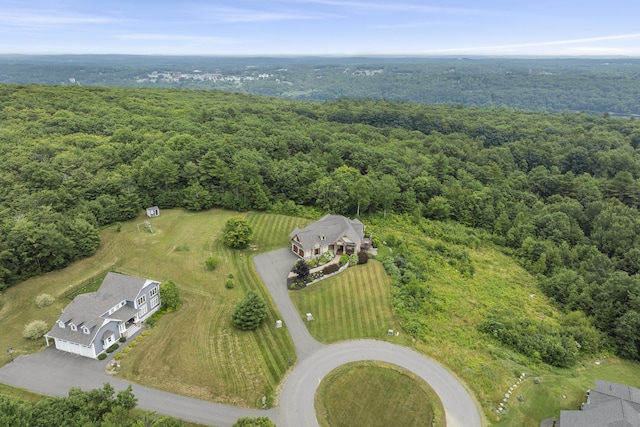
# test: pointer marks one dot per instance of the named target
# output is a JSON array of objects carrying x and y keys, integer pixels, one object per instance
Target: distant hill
[{"x": 557, "y": 85}]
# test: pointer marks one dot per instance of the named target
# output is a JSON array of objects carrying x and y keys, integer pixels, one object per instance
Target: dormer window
[
  {"x": 73, "y": 327},
  {"x": 85, "y": 330},
  {"x": 61, "y": 324},
  {"x": 323, "y": 237},
  {"x": 141, "y": 300}
]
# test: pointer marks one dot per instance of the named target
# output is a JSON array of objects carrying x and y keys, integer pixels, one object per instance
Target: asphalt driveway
[{"x": 54, "y": 372}]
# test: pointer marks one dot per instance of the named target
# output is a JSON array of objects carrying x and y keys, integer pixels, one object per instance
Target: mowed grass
[
  {"x": 194, "y": 351},
  {"x": 565, "y": 390},
  {"x": 353, "y": 304},
  {"x": 375, "y": 394}
]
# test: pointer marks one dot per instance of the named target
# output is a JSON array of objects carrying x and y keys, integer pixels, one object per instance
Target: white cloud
[
  {"x": 495, "y": 48},
  {"x": 23, "y": 19},
  {"x": 234, "y": 15},
  {"x": 390, "y": 6},
  {"x": 180, "y": 38}
]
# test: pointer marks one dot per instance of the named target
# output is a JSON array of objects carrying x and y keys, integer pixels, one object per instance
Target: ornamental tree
[
  {"x": 249, "y": 313},
  {"x": 237, "y": 233}
]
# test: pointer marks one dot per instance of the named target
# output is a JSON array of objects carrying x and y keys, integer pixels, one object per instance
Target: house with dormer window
[
  {"x": 332, "y": 233},
  {"x": 93, "y": 322}
]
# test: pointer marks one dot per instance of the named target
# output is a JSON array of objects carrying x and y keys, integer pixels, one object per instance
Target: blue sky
[{"x": 322, "y": 27}]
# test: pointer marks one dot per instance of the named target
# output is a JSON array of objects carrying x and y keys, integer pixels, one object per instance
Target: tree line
[{"x": 559, "y": 192}]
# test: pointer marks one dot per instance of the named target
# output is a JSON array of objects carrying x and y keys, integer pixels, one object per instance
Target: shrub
[
  {"x": 145, "y": 333},
  {"x": 331, "y": 268},
  {"x": 229, "y": 284},
  {"x": 237, "y": 233},
  {"x": 102, "y": 356},
  {"x": 126, "y": 350},
  {"x": 113, "y": 348},
  {"x": 44, "y": 300},
  {"x": 212, "y": 263},
  {"x": 139, "y": 338},
  {"x": 230, "y": 276},
  {"x": 133, "y": 344},
  {"x": 35, "y": 330},
  {"x": 122, "y": 339},
  {"x": 344, "y": 259},
  {"x": 328, "y": 255},
  {"x": 363, "y": 257},
  {"x": 249, "y": 313},
  {"x": 118, "y": 356},
  {"x": 170, "y": 295},
  {"x": 301, "y": 269},
  {"x": 353, "y": 259}
]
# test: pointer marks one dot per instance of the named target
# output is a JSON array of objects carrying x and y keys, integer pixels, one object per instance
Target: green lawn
[
  {"x": 353, "y": 304},
  {"x": 376, "y": 395},
  {"x": 194, "y": 351}
]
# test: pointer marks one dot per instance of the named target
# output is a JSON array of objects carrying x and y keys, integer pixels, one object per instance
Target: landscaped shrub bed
[{"x": 102, "y": 356}]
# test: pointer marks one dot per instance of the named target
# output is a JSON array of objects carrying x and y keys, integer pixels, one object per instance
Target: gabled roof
[
  {"x": 89, "y": 309},
  {"x": 327, "y": 231},
  {"x": 609, "y": 405}
]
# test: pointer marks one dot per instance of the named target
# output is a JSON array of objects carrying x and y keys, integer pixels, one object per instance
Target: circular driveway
[
  {"x": 54, "y": 372},
  {"x": 297, "y": 400}
]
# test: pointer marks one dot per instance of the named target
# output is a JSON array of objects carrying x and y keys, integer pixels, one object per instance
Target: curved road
[{"x": 53, "y": 372}]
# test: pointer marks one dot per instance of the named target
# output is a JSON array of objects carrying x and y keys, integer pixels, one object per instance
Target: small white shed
[{"x": 153, "y": 211}]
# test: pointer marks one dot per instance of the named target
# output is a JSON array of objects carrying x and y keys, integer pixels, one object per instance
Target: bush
[
  {"x": 363, "y": 257},
  {"x": 118, "y": 356},
  {"x": 353, "y": 259},
  {"x": 212, "y": 263},
  {"x": 125, "y": 350},
  {"x": 44, "y": 300},
  {"x": 332, "y": 268},
  {"x": 133, "y": 344},
  {"x": 102, "y": 356},
  {"x": 249, "y": 313},
  {"x": 170, "y": 295},
  {"x": 139, "y": 338},
  {"x": 328, "y": 255},
  {"x": 35, "y": 330},
  {"x": 113, "y": 348},
  {"x": 301, "y": 269},
  {"x": 229, "y": 284},
  {"x": 344, "y": 259},
  {"x": 122, "y": 339},
  {"x": 230, "y": 276}
]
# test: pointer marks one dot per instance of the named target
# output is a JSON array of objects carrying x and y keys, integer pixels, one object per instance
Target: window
[
  {"x": 153, "y": 292},
  {"x": 141, "y": 300},
  {"x": 85, "y": 330},
  {"x": 142, "y": 311},
  {"x": 73, "y": 327},
  {"x": 155, "y": 301}
]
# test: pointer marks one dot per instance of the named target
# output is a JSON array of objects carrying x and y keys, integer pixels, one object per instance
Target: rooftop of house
[
  {"x": 608, "y": 405},
  {"x": 89, "y": 309},
  {"x": 328, "y": 230}
]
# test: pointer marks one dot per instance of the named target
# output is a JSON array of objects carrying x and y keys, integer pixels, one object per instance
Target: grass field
[
  {"x": 352, "y": 304},
  {"x": 376, "y": 395},
  {"x": 194, "y": 351}
]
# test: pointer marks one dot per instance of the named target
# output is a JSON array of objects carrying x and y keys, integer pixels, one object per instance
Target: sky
[{"x": 322, "y": 27}]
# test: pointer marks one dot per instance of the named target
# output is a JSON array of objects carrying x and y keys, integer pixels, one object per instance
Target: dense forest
[
  {"x": 558, "y": 85},
  {"x": 559, "y": 192}
]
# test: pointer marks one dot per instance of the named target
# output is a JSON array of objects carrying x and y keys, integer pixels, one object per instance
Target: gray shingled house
[
  {"x": 94, "y": 321},
  {"x": 609, "y": 405},
  {"x": 332, "y": 233}
]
